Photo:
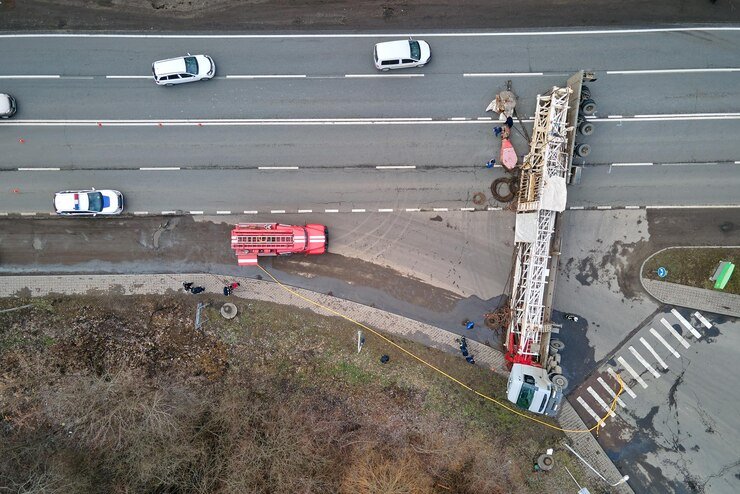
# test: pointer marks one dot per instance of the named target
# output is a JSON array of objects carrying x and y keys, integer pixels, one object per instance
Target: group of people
[
  {"x": 464, "y": 350},
  {"x": 188, "y": 287}
]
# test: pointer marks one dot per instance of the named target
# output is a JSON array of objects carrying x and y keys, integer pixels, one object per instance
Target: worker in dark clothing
[
  {"x": 186, "y": 285},
  {"x": 197, "y": 289},
  {"x": 470, "y": 359},
  {"x": 227, "y": 291}
]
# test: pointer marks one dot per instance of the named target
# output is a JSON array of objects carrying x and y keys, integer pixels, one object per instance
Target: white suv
[{"x": 180, "y": 70}]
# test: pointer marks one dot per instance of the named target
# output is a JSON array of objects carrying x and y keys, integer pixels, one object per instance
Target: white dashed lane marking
[
  {"x": 701, "y": 318},
  {"x": 601, "y": 402},
  {"x": 632, "y": 371},
  {"x": 588, "y": 409},
  {"x": 686, "y": 324},
  {"x": 660, "y": 338},
  {"x": 675, "y": 334},
  {"x": 644, "y": 362},
  {"x": 655, "y": 354},
  {"x": 611, "y": 392},
  {"x": 626, "y": 388}
]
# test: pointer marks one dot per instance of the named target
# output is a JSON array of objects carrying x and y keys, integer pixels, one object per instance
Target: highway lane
[
  {"x": 332, "y": 143},
  {"x": 364, "y": 190},
  {"x": 434, "y": 96},
  {"x": 327, "y": 54}
]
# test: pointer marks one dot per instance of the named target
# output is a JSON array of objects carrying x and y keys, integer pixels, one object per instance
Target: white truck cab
[{"x": 530, "y": 388}]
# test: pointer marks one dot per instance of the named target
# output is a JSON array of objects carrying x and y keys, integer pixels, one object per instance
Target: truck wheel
[
  {"x": 582, "y": 150},
  {"x": 588, "y": 107},
  {"x": 585, "y": 92},
  {"x": 585, "y": 128},
  {"x": 556, "y": 345},
  {"x": 560, "y": 380}
]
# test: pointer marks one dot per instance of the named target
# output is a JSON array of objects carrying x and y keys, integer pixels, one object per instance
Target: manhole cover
[
  {"x": 479, "y": 198},
  {"x": 228, "y": 310}
]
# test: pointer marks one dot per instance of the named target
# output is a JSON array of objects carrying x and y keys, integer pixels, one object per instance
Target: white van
[
  {"x": 401, "y": 54},
  {"x": 183, "y": 69}
]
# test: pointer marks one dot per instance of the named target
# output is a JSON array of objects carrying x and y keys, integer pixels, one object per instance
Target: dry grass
[{"x": 128, "y": 397}]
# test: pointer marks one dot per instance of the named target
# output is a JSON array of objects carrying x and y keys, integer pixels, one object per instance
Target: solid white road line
[
  {"x": 686, "y": 324},
  {"x": 675, "y": 334},
  {"x": 305, "y": 211},
  {"x": 611, "y": 392},
  {"x": 395, "y": 167},
  {"x": 655, "y": 354},
  {"x": 701, "y": 318},
  {"x": 39, "y": 169},
  {"x": 397, "y": 76},
  {"x": 223, "y": 212},
  {"x": 277, "y": 168},
  {"x": 614, "y": 116},
  {"x": 277, "y": 211},
  {"x": 251, "y": 212},
  {"x": 671, "y": 71},
  {"x": 601, "y": 402},
  {"x": 331, "y": 210},
  {"x": 627, "y": 389},
  {"x": 660, "y": 338},
  {"x": 632, "y": 371},
  {"x": 269, "y": 76},
  {"x": 644, "y": 362},
  {"x": 502, "y": 74},
  {"x": 686, "y": 115},
  {"x": 385, "y": 210},
  {"x": 631, "y": 164},
  {"x": 30, "y": 76},
  {"x": 588, "y": 409},
  {"x": 159, "y": 169}
]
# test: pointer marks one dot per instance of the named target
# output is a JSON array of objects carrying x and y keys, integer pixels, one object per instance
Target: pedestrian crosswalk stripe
[
  {"x": 610, "y": 391},
  {"x": 686, "y": 324},
  {"x": 701, "y": 318},
  {"x": 655, "y": 354},
  {"x": 626, "y": 388},
  {"x": 600, "y": 401},
  {"x": 644, "y": 362},
  {"x": 674, "y": 333},
  {"x": 629, "y": 369},
  {"x": 660, "y": 338},
  {"x": 588, "y": 408}
]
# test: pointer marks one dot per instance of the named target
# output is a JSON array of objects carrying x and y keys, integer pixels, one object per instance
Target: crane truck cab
[{"x": 530, "y": 388}]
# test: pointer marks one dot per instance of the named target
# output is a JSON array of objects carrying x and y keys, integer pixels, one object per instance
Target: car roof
[
  {"x": 170, "y": 66},
  {"x": 4, "y": 103},
  {"x": 65, "y": 201},
  {"x": 391, "y": 50}
]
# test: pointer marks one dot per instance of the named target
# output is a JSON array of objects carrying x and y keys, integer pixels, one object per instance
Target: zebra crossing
[{"x": 633, "y": 365}]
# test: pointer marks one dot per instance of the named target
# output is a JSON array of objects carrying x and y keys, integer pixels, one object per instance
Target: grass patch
[{"x": 694, "y": 266}]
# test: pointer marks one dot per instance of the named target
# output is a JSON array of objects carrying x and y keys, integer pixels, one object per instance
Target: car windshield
[
  {"x": 191, "y": 65},
  {"x": 95, "y": 201},
  {"x": 415, "y": 50}
]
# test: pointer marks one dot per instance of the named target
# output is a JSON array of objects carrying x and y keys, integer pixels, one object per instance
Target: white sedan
[{"x": 88, "y": 202}]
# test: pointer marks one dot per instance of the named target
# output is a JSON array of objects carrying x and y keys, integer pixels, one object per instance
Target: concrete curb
[
  {"x": 142, "y": 284},
  {"x": 688, "y": 296}
]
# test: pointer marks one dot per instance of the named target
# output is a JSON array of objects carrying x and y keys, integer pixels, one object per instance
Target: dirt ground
[
  {"x": 312, "y": 15},
  {"x": 125, "y": 395}
]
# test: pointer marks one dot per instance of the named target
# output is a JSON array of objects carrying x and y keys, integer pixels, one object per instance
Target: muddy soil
[{"x": 312, "y": 15}]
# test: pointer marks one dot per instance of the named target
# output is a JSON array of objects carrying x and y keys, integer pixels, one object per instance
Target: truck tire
[
  {"x": 585, "y": 92},
  {"x": 559, "y": 380},
  {"x": 582, "y": 150},
  {"x": 585, "y": 128},
  {"x": 588, "y": 107},
  {"x": 556, "y": 345}
]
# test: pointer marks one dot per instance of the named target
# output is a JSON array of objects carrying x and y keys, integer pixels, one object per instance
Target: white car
[
  {"x": 88, "y": 202},
  {"x": 7, "y": 106},
  {"x": 401, "y": 54},
  {"x": 180, "y": 70}
]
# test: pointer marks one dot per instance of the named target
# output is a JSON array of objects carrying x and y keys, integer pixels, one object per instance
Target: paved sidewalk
[{"x": 142, "y": 284}]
